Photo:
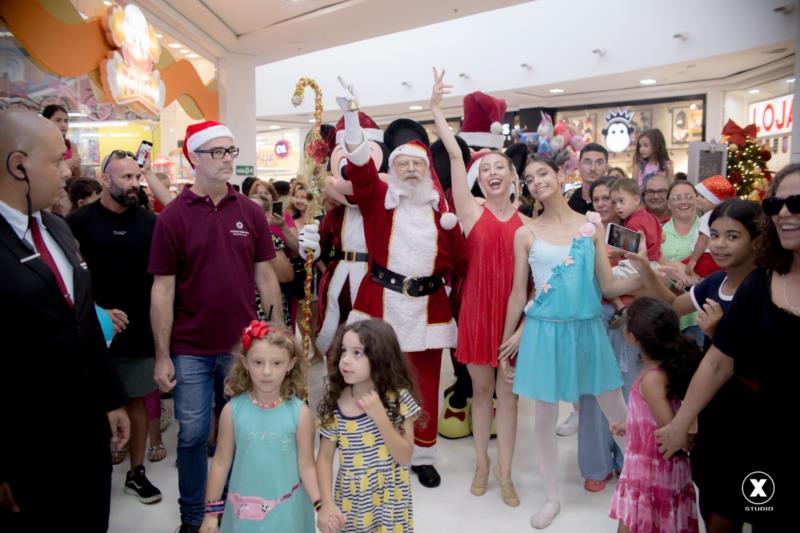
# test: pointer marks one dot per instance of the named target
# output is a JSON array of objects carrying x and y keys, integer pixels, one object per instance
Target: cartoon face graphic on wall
[{"x": 618, "y": 130}]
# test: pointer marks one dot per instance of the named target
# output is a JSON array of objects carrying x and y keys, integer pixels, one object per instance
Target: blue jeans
[
  {"x": 598, "y": 454},
  {"x": 197, "y": 377}
]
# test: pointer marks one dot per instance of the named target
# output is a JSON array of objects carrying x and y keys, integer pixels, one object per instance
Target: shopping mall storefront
[{"x": 122, "y": 80}]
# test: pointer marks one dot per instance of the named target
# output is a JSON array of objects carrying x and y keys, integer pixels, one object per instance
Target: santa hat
[
  {"x": 416, "y": 148},
  {"x": 371, "y": 131},
  {"x": 483, "y": 120},
  {"x": 199, "y": 134},
  {"x": 716, "y": 189}
]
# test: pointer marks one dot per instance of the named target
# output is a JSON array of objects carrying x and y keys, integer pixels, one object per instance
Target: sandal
[
  {"x": 118, "y": 455},
  {"x": 480, "y": 481},
  {"x": 156, "y": 453},
  {"x": 507, "y": 491}
]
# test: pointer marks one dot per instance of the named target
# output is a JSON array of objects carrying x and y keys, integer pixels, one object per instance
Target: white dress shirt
[{"x": 19, "y": 223}]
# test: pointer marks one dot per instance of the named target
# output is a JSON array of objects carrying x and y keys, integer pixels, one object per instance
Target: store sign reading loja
[{"x": 128, "y": 75}]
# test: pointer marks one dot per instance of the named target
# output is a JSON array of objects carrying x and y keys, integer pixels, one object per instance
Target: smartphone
[
  {"x": 623, "y": 238},
  {"x": 144, "y": 150},
  {"x": 277, "y": 208}
]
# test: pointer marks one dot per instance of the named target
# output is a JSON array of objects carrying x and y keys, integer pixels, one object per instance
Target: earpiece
[{"x": 18, "y": 167}]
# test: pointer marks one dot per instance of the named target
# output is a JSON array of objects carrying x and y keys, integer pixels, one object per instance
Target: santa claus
[{"x": 413, "y": 247}]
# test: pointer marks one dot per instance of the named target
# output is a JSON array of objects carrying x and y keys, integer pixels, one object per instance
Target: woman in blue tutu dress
[{"x": 564, "y": 349}]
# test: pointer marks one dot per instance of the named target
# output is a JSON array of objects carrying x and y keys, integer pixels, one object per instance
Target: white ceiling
[{"x": 271, "y": 30}]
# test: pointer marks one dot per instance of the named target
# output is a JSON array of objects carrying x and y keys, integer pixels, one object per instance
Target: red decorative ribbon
[
  {"x": 461, "y": 415},
  {"x": 738, "y": 135},
  {"x": 256, "y": 330}
]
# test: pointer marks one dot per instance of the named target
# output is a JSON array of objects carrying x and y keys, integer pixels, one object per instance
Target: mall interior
[{"x": 685, "y": 67}]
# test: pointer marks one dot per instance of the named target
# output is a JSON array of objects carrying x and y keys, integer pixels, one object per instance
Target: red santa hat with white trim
[
  {"x": 483, "y": 120},
  {"x": 199, "y": 134},
  {"x": 371, "y": 131},
  {"x": 716, "y": 189},
  {"x": 416, "y": 148}
]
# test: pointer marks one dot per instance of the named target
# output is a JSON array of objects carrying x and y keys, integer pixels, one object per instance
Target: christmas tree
[{"x": 747, "y": 162}]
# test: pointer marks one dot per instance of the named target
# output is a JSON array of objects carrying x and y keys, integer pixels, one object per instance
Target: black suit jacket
[{"x": 56, "y": 379}]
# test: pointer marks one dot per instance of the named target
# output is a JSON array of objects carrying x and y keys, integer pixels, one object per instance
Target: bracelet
[
  {"x": 317, "y": 505},
  {"x": 217, "y": 507}
]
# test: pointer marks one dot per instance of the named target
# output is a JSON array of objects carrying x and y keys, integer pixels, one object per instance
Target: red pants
[{"x": 427, "y": 365}]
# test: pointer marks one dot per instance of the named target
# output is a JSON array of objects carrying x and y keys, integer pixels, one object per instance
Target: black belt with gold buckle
[
  {"x": 344, "y": 255},
  {"x": 407, "y": 285}
]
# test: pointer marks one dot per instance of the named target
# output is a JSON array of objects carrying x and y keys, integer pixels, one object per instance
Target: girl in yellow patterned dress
[{"x": 368, "y": 413}]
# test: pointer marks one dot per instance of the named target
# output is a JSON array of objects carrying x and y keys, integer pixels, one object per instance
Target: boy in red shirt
[{"x": 627, "y": 199}]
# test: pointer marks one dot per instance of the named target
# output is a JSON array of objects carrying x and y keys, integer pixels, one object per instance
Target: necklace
[
  {"x": 270, "y": 405},
  {"x": 795, "y": 310}
]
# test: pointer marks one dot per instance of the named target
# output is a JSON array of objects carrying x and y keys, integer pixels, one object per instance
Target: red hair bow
[
  {"x": 256, "y": 330},
  {"x": 738, "y": 135}
]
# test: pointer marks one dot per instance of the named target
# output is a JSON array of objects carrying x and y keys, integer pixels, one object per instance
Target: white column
[
  {"x": 715, "y": 116},
  {"x": 237, "y": 91}
]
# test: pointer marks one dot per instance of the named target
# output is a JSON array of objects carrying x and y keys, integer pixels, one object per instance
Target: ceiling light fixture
[
  {"x": 790, "y": 80},
  {"x": 556, "y": 91},
  {"x": 106, "y": 2},
  {"x": 274, "y": 127},
  {"x": 681, "y": 35},
  {"x": 311, "y": 121},
  {"x": 599, "y": 51},
  {"x": 192, "y": 56},
  {"x": 415, "y": 107},
  {"x": 647, "y": 81},
  {"x": 160, "y": 35},
  {"x": 754, "y": 91},
  {"x": 464, "y": 75},
  {"x": 526, "y": 65},
  {"x": 185, "y": 51},
  {"x": 174, "y": 45}
]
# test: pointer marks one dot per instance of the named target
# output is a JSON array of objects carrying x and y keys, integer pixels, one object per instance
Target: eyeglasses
[
  {"x": 219, "y": 153},
  {"x": 655, "y": 192},
  {"x": 119, "y": 154},
  {"x": 688, "y": 197},
  {"x": 772, "y": 206}
]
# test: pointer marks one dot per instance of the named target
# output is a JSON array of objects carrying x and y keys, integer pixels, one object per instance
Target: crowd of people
[{"x": 674, "y": 354}]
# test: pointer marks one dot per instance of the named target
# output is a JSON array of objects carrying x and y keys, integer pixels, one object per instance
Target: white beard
[{"x": 419, "y": 194}]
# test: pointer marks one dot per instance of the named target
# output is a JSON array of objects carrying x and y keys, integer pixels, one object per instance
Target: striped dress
[{"x": 372, "y": 489}]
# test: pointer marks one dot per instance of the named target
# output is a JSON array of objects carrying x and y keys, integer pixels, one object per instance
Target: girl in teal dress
[
  {"x": 564, "y": 350},
  {"x": 267, "y": 432}
]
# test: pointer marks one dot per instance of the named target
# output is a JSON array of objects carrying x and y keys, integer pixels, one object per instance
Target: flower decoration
[
  {"x": 546, "y": 287},
  {"x": 256, "y": 330},
  {"x": 587, "y": 230},
  {"x": 594, "y": 218},
  {"x": 569, "y": 261},
  {"x": 318, "y": 150}
]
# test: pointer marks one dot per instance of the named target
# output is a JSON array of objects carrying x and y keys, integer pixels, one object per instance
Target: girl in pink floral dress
[{"x": 655, "y": 495}]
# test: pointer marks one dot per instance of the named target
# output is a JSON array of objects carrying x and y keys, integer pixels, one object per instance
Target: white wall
[{"x": 556, "y": 36}]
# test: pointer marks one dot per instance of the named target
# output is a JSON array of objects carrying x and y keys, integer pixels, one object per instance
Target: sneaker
[
  {"x": 136, "y": 483},
  {"x": 569, "y": 426}
]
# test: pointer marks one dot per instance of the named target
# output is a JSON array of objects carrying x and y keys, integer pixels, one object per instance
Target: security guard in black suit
[{"x": 60, "y": 399}]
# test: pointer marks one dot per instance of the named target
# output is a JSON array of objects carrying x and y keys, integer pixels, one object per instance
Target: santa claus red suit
[{"x": 412, "y": 249}]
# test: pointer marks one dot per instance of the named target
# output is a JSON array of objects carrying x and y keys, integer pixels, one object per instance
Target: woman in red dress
[{"x": 489, "y": 228}]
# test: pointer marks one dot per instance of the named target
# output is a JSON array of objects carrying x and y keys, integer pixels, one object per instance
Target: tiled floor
[{"x": 448, "y": 508}]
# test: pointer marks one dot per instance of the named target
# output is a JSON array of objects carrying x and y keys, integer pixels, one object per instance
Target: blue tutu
[{"x": 564, "y": 350}]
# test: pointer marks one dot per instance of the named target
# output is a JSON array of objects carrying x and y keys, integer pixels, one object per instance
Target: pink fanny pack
[{"x": 255, "y": 508}]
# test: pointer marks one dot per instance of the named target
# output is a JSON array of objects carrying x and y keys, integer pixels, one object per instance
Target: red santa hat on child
[
  {"x": 483, "y": 120},
  {"x": 371, "y": 131},
  {"x": 199, "y": 134},
  {"x": 417, "y": 149},
  {"x": 716, "y": 189}
]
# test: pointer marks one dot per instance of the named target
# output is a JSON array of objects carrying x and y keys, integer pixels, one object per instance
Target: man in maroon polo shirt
[{"x": 209, "y": 247}]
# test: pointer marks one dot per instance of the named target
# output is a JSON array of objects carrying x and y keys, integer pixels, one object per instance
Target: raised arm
[{"x": 467, "y": 209}]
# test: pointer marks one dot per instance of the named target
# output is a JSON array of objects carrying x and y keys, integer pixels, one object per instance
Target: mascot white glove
[
  {"x": 308, "y": 238},
  {"x": 349, "y": 106}
]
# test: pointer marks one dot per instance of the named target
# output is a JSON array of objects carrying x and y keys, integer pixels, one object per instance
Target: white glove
[
  {"x": 347, "y": 102},
  {"x": 308, "y": 238}
]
